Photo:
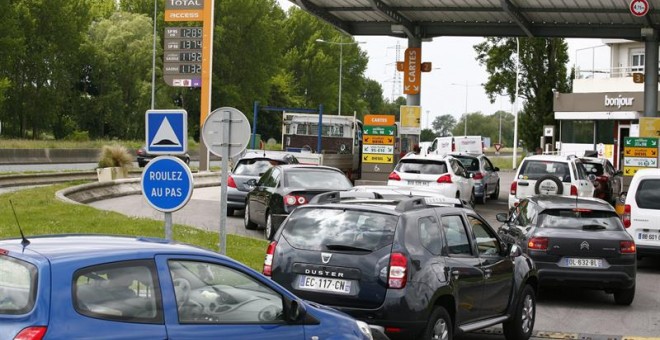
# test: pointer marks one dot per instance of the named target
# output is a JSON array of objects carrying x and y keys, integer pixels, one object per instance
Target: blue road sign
[
  {"x": 166, "y": 132},
  {"x": 167, "y": 183}
]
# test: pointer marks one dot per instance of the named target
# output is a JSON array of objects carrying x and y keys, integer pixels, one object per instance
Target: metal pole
[
  {"x": 153, "y": 60},
  {"x": 341, "y": 58},
  {"x": 226, "y": 126},
  {"x": 168, "y": 226},
  {"x": 466, "y": 111},
  {"x": 318, "y": 138},
  {"x": 515, "y": 108},
  {"x": 499, "y": 139},
  {"x": 254, "y": 123}
]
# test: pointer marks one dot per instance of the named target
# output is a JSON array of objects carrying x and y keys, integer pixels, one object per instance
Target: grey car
[
  {"x": 574, "y": 241},
  {"x": 251, "y": 165},
  {"x": 484, "y": 175}
]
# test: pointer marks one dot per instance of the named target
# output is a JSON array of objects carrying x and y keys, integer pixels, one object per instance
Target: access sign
[
  {"x": 639, "y": 153},
  {"x": 184, "y": 10},
  {"x": 166, "y": 132},
  {"x": 382, "y": 149},
  {"x": 381, "y": 140},
  {"x": 379, "y": 130},
  {"x": 412, "y": 70},
  {"x": 167, "y": 183},
  {"x": 376, "y": 158}
]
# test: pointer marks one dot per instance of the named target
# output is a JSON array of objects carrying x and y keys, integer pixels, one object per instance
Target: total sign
[{"x": 167, "y": 183}]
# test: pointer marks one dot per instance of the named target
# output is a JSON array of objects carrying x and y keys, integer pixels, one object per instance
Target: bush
[
  {"x": 115, "y": 156},
  {"x": 78, "y": 136}
]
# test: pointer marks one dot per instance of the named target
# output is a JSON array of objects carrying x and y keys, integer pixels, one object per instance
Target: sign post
[
  {"x": 167, "y": 185},
  {"x": 226, "y": 134},
  {"x": 639, "y": 153}
]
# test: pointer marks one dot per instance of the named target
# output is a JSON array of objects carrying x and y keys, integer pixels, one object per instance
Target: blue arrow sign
[
  {"x": 166, "y": 131},
  {"x": 167, "y": 183}
]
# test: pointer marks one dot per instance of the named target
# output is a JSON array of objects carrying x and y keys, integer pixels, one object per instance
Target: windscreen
[
  {"x": 648, "y": 194},
  {"x": 470, "y": 163},
  {"x": 421, "y": 166},
  {"x": 580, "y": 219},
  {"x": 309, "y": 178},
  {"x": 254, "y": 167},
  {"x": 336, "y": 229},
  {"x": 535, "y": 169},
  {"x": 18, "y": 286}
]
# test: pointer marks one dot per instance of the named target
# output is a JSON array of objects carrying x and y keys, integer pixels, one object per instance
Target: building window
[
  {"x": 637, "y": 60},
  {"x": 605, "y": 132},
  {"x": 301, "y": 129},
  {"x": 577, "y": 131}
]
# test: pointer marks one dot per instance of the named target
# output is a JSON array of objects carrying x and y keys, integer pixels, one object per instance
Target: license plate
[
  {"x": 324, "y": 284},
  {"x": 583, "y": 263},
  {"x": 648, "y": 237},
  {"x": 418, "y": 183}
]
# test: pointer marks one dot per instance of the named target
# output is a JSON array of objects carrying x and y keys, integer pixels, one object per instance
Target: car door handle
[{"x": 456, "y": 273}]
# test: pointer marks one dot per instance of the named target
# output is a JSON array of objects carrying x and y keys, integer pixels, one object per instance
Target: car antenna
[{"x": 25, "y": 242}]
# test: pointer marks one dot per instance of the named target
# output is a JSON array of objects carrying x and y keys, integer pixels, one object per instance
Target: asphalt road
[{"x": 562, "y": 313}]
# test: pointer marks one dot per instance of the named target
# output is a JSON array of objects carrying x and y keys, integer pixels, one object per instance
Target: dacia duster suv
[{"x": 410, "y": 268}]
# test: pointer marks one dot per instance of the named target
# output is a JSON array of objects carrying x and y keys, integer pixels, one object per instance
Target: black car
[
  {"x": 608, "y": 182},
  {"x": 414, "y": 270},
  {"x": 282, "y": 188},
  {"x": 578, "y": 242},
  {"x": 252, "y": 165},
  {"x": 143, "y": 157}
]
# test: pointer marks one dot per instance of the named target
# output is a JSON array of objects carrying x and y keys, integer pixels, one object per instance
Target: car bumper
[
  {"x": 648, "y": 250},
  {"x": 236, "y": 198},
  {"x": 479, "y": 190},
  {"x": 616, "y": 277}
]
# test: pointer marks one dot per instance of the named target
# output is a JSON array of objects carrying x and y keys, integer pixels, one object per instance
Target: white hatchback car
[
  {"x": 550, "y": 175},
  {"x": 445, "y": 174},
  {"x": 642, "y": 211}
]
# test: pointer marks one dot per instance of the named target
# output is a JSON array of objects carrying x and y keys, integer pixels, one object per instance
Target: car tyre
[
  {"x": 624, "y": 297},
  {"x": 472, "y": 199},
  {"x": 496, "y": 193},
  {"x": 560, "y": 186},
  {"x": 484, "y": 197},
  {"x": 521, "y": 323},
  {"x": 246, "y": 219},
  {"x": 439, "y": 326},
  {"x": 268, "y": 229}
]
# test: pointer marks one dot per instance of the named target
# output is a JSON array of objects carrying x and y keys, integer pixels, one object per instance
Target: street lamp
[
  {"x": 341, "y": 56},
  {"x": 466, "y": 85}
]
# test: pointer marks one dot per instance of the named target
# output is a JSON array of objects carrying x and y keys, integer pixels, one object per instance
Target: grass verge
[{"x": 40, "y": 213}]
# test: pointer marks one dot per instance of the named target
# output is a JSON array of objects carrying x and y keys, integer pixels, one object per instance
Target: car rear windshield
[
  {"x": 470, "y": 163},
  {"x": 254, "y": 167},
  {"x": 536, "y": 169},
  {"x": 18, "y": 286},
  {"x": 422, "y": 166},
  {"x": 580, "y": 219},
  {"x": 339, "y": 229},
  {"x": 648, "y": 194},
  {"x": 308, "y": 178}
]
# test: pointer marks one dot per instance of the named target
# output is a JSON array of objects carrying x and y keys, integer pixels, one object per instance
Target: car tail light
[
  {"x": 31, "y": 333},
  {"x": 625, "y": 218},
  {"x": 627, "y": 247},
  {"x": 514, "y": 188},
  {"x": 294, "y": 200},
  {"x": 444, "y": 179},
  {"x": 574, "y": 190},
  {"x": 394, "y": 176},
  {"x": 478, "y": 175},
  {"x": 230, "y": 182},
  {"x": 398, "y": 271},
  {"x": 538, "y": 243},
  {"x": 268, "y": 261}
]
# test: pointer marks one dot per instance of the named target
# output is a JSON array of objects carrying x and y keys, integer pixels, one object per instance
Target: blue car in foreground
[{"x": 109, "y": 287}]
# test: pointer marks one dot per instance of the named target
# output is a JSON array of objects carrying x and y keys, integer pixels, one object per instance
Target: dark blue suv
[{"x": 411, "y": 268}]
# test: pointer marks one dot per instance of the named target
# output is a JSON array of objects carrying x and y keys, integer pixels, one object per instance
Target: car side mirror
[
  {"x": 515, "y": 251},
  {"x": 294, "y": 311},
  {"x": 502, "y": 217},
  {"x": 496, "y": 169}
]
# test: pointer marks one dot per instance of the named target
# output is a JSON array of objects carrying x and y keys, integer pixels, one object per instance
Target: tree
[
  {"x": 542, "y": 71},
  {"x": 443, "y": 125},
  {"x": 427, "y": 135}
]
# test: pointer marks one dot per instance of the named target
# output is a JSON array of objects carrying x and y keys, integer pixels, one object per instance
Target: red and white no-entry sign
[{"x": 639, "y": 7}]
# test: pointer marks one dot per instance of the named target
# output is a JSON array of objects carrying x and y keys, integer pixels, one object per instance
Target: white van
[
  {"x": 642, "y": 211},
  {"x": 467, "y": 144}
]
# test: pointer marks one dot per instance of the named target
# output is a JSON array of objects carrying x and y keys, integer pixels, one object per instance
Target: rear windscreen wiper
[{"x": 345, "y": 247}]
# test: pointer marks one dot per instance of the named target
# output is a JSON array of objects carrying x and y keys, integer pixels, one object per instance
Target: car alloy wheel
[
  {"x": 439, "y": 326},
  {"x": 521, "y": 323}
]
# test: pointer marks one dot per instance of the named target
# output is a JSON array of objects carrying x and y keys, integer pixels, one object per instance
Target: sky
[{"x": 453, "y": 86}]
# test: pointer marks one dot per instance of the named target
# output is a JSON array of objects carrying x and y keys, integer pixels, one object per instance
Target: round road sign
[
  {"x": 223, "y": 121},
  {"x": 167, "y": 183},
  {"x": 639, "y": 7}
]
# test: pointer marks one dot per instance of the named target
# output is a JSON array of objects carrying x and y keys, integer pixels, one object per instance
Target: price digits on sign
[
  {"x": 192, "y": 32},
  {"x": 190, "y": 68},
  {"x": 190, "y": 56},
  {"x": 190, "y": 44}
]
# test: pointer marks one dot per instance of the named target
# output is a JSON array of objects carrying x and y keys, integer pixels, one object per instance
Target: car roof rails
[
  {"x": 411, "y": 204},
  {"x": 338, "y": 196}
]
